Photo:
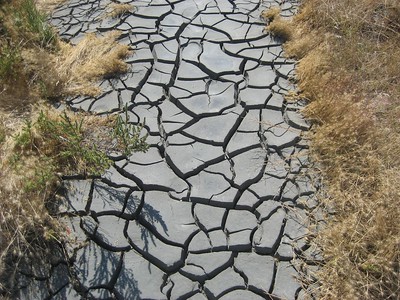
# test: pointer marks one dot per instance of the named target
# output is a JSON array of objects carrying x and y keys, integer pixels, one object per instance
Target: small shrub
[
  {"x": 128, "y": 135},
  {"x": 24, "y": 138},
  {"x": 63, "y": 139}
]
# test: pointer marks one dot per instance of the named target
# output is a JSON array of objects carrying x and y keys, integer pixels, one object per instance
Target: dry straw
[{"x": 349, "y": 69}]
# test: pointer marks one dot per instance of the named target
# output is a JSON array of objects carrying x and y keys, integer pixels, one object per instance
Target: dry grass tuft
[
  {"x": 349, "y": 69},
  {"x": 277, "y": 26},
  {"x": 116, "y": 10},
  {"x": 81, "y": 66},
  {"x": 271, "y": 13}
]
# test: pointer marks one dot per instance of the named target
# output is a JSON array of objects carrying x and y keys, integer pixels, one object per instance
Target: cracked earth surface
[{"x": 218, "y": 208}]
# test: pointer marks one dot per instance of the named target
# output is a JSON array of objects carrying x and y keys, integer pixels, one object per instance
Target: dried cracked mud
[{"x": 219, "y": 206}]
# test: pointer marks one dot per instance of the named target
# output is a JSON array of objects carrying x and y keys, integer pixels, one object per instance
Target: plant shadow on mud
[{"x": 103, "y": 267}]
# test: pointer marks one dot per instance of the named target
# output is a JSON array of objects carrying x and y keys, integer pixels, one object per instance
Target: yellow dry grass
[
  {"x": 349, "y": 70},
  {"x": 279, "y": 27},
  {"x": 115, "y": 10},
  {"x": 271, "y": 13},
  {"x": 81, "y": 66}
]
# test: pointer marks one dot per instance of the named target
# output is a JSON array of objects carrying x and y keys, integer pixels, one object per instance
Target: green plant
[
  {"x": 25, "y": 137},
  {"x": 14, "y": 160},
  {"x": 128, "y": 135},
  {"x": 2, "y": 134},
  {"x": 27, "y": 17},
  {"x": 9, "y": 57},
  {"x": 44, "y": 175},
  {"x": 68, "y": 134}
]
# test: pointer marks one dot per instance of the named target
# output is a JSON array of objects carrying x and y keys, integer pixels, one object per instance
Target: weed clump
[
  {"x": 129, "y": 135},
  {"x": 61, "y": 140}
]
